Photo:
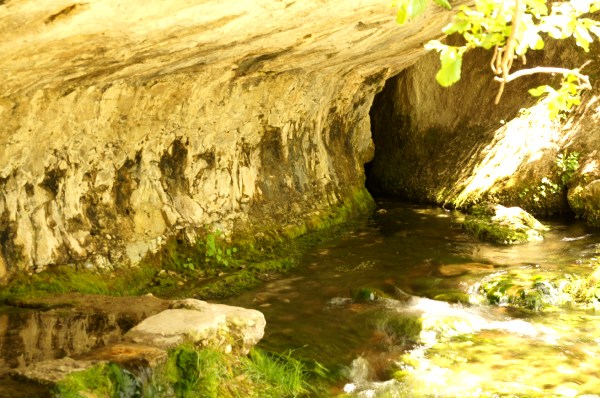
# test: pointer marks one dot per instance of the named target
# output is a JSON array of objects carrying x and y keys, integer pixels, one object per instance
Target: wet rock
[
  {"x": 219, "y": 326},
  {"x": 584, "y": 200},
  {"x": 453, "y": 297},
  {"x": 55, "y": 370},
  {"x": 367, "y": 294},
  {"x": 505, "y": 225},
  {"x": 128, "y": 355},
  {"x": 466, "y": 268}
]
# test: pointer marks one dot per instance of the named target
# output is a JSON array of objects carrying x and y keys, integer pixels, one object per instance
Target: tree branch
[
  {"x": 508, "y": 52},
  {"x": 546, "y": 69}
]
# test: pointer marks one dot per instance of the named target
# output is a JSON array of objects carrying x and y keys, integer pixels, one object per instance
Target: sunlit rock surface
[
  {"x": 454, "y": 147},
  {"x": 219, "y": 326},
  {"x": 503, "y": 225},
  {"x": 124, "y": 122}
]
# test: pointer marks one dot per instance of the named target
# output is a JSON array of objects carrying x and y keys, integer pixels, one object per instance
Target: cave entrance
[{"x": 386, "y": 124}]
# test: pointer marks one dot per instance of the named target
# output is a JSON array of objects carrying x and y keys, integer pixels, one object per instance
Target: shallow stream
[
  {"x": 416, "y": 262},
  {"x": 393, "y": 303}
]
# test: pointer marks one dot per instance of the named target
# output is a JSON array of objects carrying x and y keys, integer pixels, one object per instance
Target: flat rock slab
[
  {"x": 52, "y": 371},
  {"x": 219, "y": 326},
  {"x": 128, "y": 355}
]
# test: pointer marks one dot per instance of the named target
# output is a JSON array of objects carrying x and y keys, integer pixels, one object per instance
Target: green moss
[
  {"x": 196, "y": 373},
  {"x": 538, "y": 291},
  {"x": 402, "y": 329},
  {"x": 105, "y": 380},
  {"x": 483, "y": 223},
  {"x": 453, "y": 297},
  {"x": 211, "y": 267},
  {"x": 367, "y": 294}
]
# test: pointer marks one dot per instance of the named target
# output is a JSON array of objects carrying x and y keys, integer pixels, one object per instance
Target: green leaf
[
  {"x": 449, "y": 73},
  {"x": 402, "y": 15},
  {"x": 538, "y": 91},
  {"x": 417, "y": 7},
  {"x": 443, "y": 3},
  {"x": 538, "y": 7},
  {"x": 582, "y": 37}
]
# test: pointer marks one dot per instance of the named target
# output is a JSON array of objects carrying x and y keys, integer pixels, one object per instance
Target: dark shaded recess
[
  {"x": 52, "y": 180},
  {"x": 11, "y": 346},
  {"x": 123, "y": 186},
  {"x": 2, "y": 2},
  {"x": 62, "y": 13},
  {"x": 382, "y": 116},
  {"x": 271, "y": 156},
  {"x": 253, "y": 63},
  {"x": 172, "y": 165},
  {"x": 10, "y": 252},
  {"x": 29, "y": 189},
  {"x": 96, "y": 213},
  {"x": 209, "y": 157}
]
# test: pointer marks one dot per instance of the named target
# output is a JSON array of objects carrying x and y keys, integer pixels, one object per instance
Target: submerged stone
[
  {"x": 466, "y": 268},
  {"x": 367, "y": 294},
  {"x": 504, "y": 225}
]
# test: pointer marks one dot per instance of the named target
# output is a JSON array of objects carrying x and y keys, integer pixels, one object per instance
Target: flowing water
[
  {"x": 394, "y": 303},
  {"x": 356, "y": 300}
]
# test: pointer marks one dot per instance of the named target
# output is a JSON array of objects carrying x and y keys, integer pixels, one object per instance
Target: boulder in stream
[
  {"x": 219, "y": 326},
  {"x": 505, "y": 225}
]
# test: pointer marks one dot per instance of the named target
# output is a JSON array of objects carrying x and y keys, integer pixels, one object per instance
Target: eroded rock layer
[{"x": 122, "y": 123}]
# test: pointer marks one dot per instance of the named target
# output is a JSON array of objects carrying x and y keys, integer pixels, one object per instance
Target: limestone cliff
[
  {"x": 123, "y": 122},
  {"x": 455, "y": 147}
]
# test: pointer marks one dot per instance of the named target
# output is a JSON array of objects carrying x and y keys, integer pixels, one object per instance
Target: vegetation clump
[
  {"x": 213, "y": 266},
  {"x": 534, "y": 290},
  {"x": 196, "y": 373}
]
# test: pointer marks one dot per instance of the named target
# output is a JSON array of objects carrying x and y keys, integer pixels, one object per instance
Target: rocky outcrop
[
  {"x": 219, "y": 326},
  {"x": 455, "y": 147},
  {"x": 122, "y": 124},
  {"x": 504, "y": 225}
]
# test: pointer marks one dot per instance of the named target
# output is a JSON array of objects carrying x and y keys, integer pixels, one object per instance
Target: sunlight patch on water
[{"x": 479, "y": 352}]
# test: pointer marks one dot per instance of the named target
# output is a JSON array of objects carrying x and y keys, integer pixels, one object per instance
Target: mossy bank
[
  {"x": 192, "y": 373},
  {"x": 211, "y": 266}
]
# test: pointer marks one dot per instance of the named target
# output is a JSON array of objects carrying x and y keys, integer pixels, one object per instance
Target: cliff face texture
[
  {"x": 454, "y": 147},
  {"x": 122, "y": 123}
]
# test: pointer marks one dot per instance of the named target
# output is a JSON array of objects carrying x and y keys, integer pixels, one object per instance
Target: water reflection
[{"x": 28, "y": 336}]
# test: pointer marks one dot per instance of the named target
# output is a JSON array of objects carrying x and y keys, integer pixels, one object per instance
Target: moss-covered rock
[
  {"x": 534, "y": 290},
  {"x": 585, "y": 202},
  {"x": 367, "y": 294},
  {"x": 504, "y": 225}
]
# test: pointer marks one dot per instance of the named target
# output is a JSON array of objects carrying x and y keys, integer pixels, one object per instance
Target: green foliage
[
  {"x": 217, "y": 251},
  {"x": 192, "y": 372},
  {"x": 567, "y": 164},
  {"x": 408, "y": 9},
  {"x": 277, "y": 375},
  {"x": 451, "y": 59},
  {"x": 560, "y": 101},
  {"x": 106, "y": 380},
  {"x": 511, "y": 29}
]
